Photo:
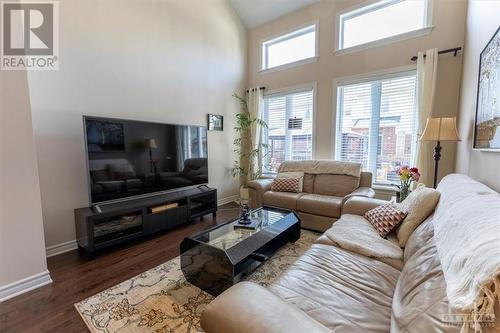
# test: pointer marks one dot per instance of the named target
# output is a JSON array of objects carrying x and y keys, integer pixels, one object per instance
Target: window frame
[
  {"x": 284, "y": 36},
  {"x": 371, "y": 6},
  {"x": 292, "y": 90},
  {"x": 360, "y": 79}
]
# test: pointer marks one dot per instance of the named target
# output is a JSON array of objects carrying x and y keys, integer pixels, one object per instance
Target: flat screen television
[{"x": 128, "y": 158}]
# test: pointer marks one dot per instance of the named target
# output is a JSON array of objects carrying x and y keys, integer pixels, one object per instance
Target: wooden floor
[{"x": 50, "y": 308}]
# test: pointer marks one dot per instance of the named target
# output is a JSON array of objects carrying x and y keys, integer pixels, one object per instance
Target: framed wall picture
[
  {"x": 487, "y": 122},
  {"x": 215, "y": 122}
]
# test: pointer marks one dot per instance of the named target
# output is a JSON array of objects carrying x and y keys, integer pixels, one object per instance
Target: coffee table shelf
[{"x": 217, "y": 258}]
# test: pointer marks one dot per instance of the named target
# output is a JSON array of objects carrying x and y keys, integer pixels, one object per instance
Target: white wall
[
  {"x": 22, "y": 249},
  {"x": 157, "y": 60},
  {"x": 483, "y": 19},
  {"x": 449, "y": 20}
]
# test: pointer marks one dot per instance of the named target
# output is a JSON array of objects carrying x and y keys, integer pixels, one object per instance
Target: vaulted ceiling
[{"x": 257, "y": 12}]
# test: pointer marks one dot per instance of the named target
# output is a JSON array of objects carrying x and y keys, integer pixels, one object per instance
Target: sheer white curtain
[
  {"x": 426, "y": 86},
  {"x": 255, "y": 104}
]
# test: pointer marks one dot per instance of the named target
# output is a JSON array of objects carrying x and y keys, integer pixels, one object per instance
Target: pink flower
[
  {"x": 402, "y": 169},
  {"x": 415, "y": 176}
]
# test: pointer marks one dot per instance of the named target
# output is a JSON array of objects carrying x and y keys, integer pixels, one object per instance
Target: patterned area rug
[{"x": 162, "y": 301}]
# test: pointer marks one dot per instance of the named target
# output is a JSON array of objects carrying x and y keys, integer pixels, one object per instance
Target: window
[
  {"x": 381, "y": 20},
  {"x": 290, "y": 48},
  {"x": 289, "y": 119},
  {"x": 376, "y": 125}
]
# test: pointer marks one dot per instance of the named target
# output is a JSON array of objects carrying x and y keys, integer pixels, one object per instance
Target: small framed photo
[{"x": 215, "y": 122}]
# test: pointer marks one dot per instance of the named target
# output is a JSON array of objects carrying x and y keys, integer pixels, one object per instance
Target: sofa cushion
[
  {"x": 308, "y": 185},
  {"x": 420, "y": 303},
  {"x": 344, "y": 291},
  {"x": 315, "y": 222},
  {"x": 336, "y": 185},
  {"x": 285, "y": 200},
  {"x": 420, "y": 236},
  {"x": 356, "y": 234},
  {"x": 245, "y": 302},
  {"x": 111, "y": 185},
  {"x": 318, "y": 204},
  {"x": 121, "y": 171},
  {"x": 419, "y": 205},
  {"x": 320, "y": 167},
  {"x": 99, "y": 175}
]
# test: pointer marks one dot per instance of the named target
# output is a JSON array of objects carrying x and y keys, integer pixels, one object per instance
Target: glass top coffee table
[{"x": 217, "y": 258}]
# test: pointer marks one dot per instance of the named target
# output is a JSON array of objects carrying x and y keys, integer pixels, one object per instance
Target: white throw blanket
[
  {"x": 467, "y": 236},
  {"x": 356, "y": 234}
]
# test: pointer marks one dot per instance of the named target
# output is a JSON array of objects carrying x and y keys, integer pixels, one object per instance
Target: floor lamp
[
  {"x": 150, "y": 145},
  {"x": 439, "y": 129}
]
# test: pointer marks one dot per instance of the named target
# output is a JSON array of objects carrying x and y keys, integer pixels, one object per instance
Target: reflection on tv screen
[{"x": 128, "y": 158}]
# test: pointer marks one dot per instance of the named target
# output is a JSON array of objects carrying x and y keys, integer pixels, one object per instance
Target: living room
[{"x": 186, "y": 165}]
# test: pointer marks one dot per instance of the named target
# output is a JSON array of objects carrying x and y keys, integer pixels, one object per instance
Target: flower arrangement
[{"x": 406, "y": 175}]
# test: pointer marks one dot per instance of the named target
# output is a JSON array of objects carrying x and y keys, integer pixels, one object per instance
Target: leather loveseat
[
  {"x": 326, "y": 187},
  {"x": 329, "y": 289}
]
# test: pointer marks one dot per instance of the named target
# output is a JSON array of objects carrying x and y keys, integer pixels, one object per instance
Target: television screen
[{"x": 128, "y": 158}]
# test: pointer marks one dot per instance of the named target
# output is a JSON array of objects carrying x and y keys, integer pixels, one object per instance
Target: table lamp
[{"x": 439, "y": 129}]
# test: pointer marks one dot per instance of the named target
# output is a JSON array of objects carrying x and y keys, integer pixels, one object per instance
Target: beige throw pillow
[
  {"x": 293, "y": 175},
  {"x": 419, "y": 204}
]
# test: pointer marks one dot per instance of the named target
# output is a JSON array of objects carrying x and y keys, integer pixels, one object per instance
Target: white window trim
[
  {"x": 284, "y": 36},
  {"x": 297, "y": 89},
  {"x": 356, "y": 79},
  {"x": 373, "y": 5}
]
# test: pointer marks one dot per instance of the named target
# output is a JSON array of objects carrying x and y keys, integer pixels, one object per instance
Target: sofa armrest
[
  {"x": 367, "y": 192},
  {"x": 263, "y": 184},
  {"x": 358, "y": 205},
  {"x": 257, "y": 188},
  {"x": 250, "y": 308}
]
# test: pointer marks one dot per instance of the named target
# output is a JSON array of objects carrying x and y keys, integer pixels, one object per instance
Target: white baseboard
[
  {"x": 227, "y": 200},
  {"x": 24, "y": 285},
  {"x": 54, "y": 250}
]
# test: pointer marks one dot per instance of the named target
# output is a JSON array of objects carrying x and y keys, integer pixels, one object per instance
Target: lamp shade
[
  {"x": 151, "y": 144},
  {"x": 440, "y": 129}
]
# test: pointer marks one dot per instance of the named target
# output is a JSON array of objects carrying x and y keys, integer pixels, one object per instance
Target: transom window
[
  {"x": 289, "y": 48},
  {"x": 289, "y": 135},
  {"x": 376, "y": 125},
  {"x": 382, "y": 20}
]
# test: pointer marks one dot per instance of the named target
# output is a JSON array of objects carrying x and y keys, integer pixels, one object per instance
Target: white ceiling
[{"x": 257, "y": 12}]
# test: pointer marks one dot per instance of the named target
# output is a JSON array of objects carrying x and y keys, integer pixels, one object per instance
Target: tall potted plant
[{"x": 243, "y": 145}]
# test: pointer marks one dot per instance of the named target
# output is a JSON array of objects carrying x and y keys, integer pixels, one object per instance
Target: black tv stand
[{"x": 102, "y": 226}]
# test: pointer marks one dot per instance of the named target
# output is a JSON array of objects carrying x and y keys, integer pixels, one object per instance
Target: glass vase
[{"x": 403, "y": 193}]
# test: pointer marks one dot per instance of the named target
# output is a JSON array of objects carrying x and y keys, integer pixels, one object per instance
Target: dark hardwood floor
[{"x": 75, "y": 277}]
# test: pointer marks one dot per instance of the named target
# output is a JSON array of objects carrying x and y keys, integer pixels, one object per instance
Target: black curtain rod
[
  {"x": 454, "y": 50},
  {"x": 261, "y": 88}
]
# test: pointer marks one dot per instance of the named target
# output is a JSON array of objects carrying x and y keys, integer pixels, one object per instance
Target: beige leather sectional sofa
[
  {"x": 329, "y": 289},
  {"x": 326, "y": 187}
]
